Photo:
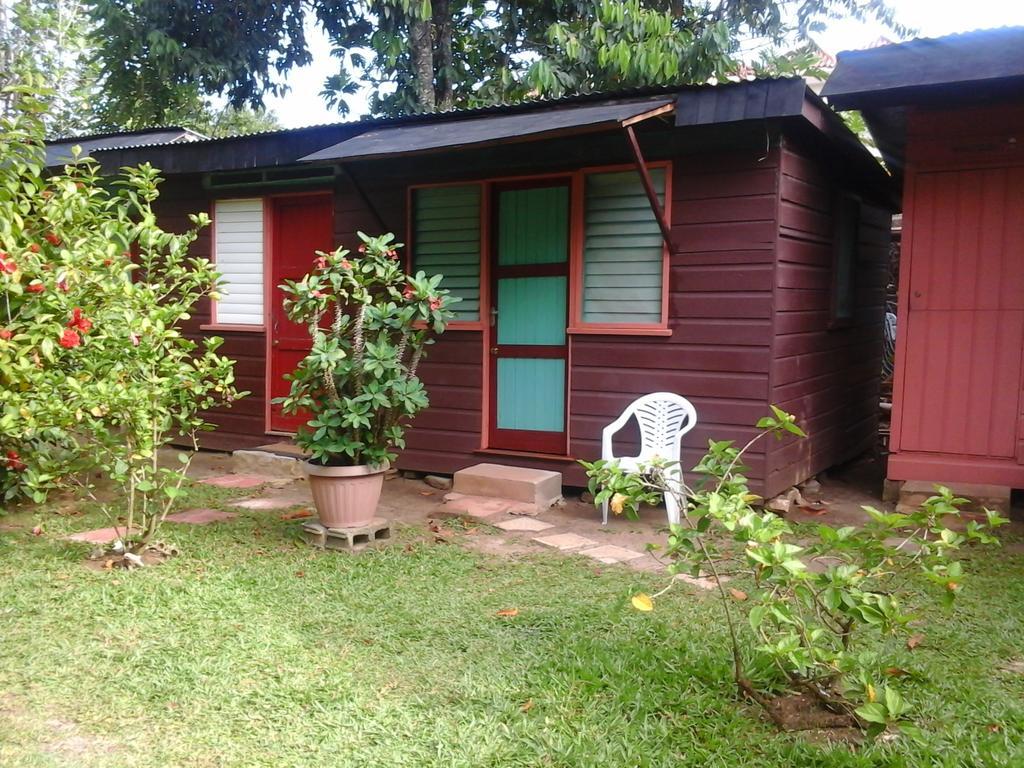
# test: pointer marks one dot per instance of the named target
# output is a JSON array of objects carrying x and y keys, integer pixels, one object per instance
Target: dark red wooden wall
[
  {"x": 828, "y": 376},
  {"x": 751, "y": 260}
]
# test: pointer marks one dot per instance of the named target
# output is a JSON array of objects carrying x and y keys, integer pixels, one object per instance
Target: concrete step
[
  {"x": 275, "y": 460},
  {"x": 995, "y": 497},
  {"x": 531, "y": 486}
]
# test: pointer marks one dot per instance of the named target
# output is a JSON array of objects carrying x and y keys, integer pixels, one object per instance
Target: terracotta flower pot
[{"x": 346, "y": 497}]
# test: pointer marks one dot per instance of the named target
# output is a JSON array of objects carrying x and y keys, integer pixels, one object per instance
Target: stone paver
[
  {"x": 565, "y": 541},
  {"x": 235, "y": 481},
  {"x": 100, "y": 535},
  {"x": 264, "y": 502},
  {"x": 485, "y": 506},
  {"x": 610, "y": 553},
  {"x": 200, "y": 516},
  {"x": 524, "y": 524}
]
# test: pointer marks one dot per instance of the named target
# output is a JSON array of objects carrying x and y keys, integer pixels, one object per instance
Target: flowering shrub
[
  {"x": 95, "y": 373},
  {"x": 369, "y": 324},
  {"x": 812, "y": 598}
]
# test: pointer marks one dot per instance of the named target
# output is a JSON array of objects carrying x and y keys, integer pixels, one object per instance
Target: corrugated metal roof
[
  {"x": 58, "y": 151},
  {"x": 892, "y": 72}
]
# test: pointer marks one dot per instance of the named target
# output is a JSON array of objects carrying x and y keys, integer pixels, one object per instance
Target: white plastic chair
[{"x": 663, "y": 418}]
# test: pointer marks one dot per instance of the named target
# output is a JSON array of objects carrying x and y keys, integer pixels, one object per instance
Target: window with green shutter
[
  {"x": 623, "y": 250},
  {"x": 446, "y": 241}
]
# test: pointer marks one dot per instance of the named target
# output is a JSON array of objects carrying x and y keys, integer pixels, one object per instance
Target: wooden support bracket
[{"x": 652, "y": 195}]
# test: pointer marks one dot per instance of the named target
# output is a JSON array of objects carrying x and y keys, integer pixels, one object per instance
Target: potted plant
[{"x": 369, "y": 324}]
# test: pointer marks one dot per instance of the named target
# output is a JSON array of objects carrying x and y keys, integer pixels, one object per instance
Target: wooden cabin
[
  {"x": 948, "y": 116},
  {"x": 727, "y": 243}
]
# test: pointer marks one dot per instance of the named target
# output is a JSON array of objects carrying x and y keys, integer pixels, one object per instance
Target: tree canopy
[{"x": 426, "y": 55}]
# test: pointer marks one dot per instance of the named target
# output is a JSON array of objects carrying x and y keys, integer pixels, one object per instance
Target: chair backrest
[{"x": 664, "y": 417}]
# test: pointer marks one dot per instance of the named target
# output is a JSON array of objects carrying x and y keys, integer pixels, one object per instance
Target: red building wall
[{"x": 958, "y": 380}]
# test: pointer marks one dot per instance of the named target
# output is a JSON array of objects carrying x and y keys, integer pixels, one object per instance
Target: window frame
[
  {"x": 215, "y": 324},
  {"x": 485, "y": 277},
  {"x": 577, "y": 213},
  {"x": 577, "y": 325}
]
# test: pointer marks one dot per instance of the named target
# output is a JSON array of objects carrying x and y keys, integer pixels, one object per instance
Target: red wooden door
[
  {"x": 965, "y": 324},
  {"x": 301, "y": 226}
]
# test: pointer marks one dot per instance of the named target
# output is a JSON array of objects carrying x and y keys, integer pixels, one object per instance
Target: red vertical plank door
[
  {"x": 965, "y": 325},
  {"x": 302, "y": 225}
]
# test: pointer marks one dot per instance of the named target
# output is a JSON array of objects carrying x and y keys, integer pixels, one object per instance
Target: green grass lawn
[{"x": 250, "y": 649}]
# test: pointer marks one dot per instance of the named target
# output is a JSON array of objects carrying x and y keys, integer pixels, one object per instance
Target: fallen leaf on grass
[
  {"x": 300, "y": 574},
  {"x": 994, "y": 727},
  {"x": 37, "y": 531},
  {"x": 527, "y": 706},
  {"x": 896, "y": 672},
  {"x": 642, "y": 602},
  {"x": 297, "y": 515},
  {"x": 914, "y": 640},
  {"x": 508, "y": 612},
  {"x": 738, "y": 595}
]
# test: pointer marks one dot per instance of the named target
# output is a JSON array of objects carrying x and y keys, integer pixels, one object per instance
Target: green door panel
[
  {"x": 531, "y": 394},
  {"x": 531, "y": 310},
  {"x": 533, "y": 226}
]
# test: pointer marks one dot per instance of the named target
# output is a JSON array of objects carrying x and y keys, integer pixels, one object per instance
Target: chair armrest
[{"x": 609, "y": 432}]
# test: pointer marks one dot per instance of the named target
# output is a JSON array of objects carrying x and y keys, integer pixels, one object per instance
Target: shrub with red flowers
[
  {"x": 95, "y": 373},
  {"x": 370, "y": 324}
]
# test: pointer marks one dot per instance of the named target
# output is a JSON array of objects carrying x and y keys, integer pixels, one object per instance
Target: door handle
[{"x": 494, "y": 316}]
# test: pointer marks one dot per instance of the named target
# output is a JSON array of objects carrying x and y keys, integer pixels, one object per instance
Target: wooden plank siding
[
  {"x": 240, "y": 426},
  {"x": 826, "y": 375},
  {"x": 960, "y": 303},
  {"x": 750, "y": 259}
]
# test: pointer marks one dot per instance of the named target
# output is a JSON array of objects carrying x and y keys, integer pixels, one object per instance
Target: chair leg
[
  {"x": 672, "y": 506},
  {"x": 604, "y": 511}
]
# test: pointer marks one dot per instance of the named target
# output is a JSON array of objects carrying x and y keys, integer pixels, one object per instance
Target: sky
[{"x": 302, "y": 105}]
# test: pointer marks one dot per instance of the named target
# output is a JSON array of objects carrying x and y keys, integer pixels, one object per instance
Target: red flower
[
  {"x": 361, "y": 249},
  {"x": 317, "y": 294},
  {"x": 320, "y": 262},
  {"x": 79, "y": 322},
  {"x": 69, "y": 339},
  {"x": 34, "y": 248},
  {"x": 135, "y": 339},
  {"x": 7, "y": 266},
  {"x": 435, "y": 304},
  {"x": 63, "y": 285},
  {"x": 14, "y": 462},
  {"x": 52, "y": 239},
  {"x": 346, "y": 264},
  {"x": 107, "y": 262},
  {"x": 393, "y": 254},
  {"x": 35, "y": 287},
  {"x": 409, "y": 292},
  {"x": 5, "y": 334}
]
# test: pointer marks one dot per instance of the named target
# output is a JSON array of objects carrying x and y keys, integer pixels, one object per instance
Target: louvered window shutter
[
  {"x": 446, "y": 241},
  {"x": 623, "y": 250},
  {"x": 238, "y": 253}
]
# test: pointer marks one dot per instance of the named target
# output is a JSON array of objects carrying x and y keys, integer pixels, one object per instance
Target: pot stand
[{"x": 347, "y": 539}]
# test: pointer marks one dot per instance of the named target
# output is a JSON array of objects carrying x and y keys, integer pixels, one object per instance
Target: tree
[
  {"x": 427, "y": 55},
  {"x": 96, "y": 374},
  {"x": 46, "y": 40},
  {"x": 232, "y": 121}
]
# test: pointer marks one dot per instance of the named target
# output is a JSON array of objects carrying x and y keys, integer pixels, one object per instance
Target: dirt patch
[
  {"x": 111, "y": 561},
  {"x": 802, "y": 712}
]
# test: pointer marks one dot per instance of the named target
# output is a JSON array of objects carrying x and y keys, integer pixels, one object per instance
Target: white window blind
[{"x": 238, "y": 251}]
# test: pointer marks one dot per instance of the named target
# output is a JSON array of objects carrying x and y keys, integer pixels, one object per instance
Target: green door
[{"x": 529, "y": 315}]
